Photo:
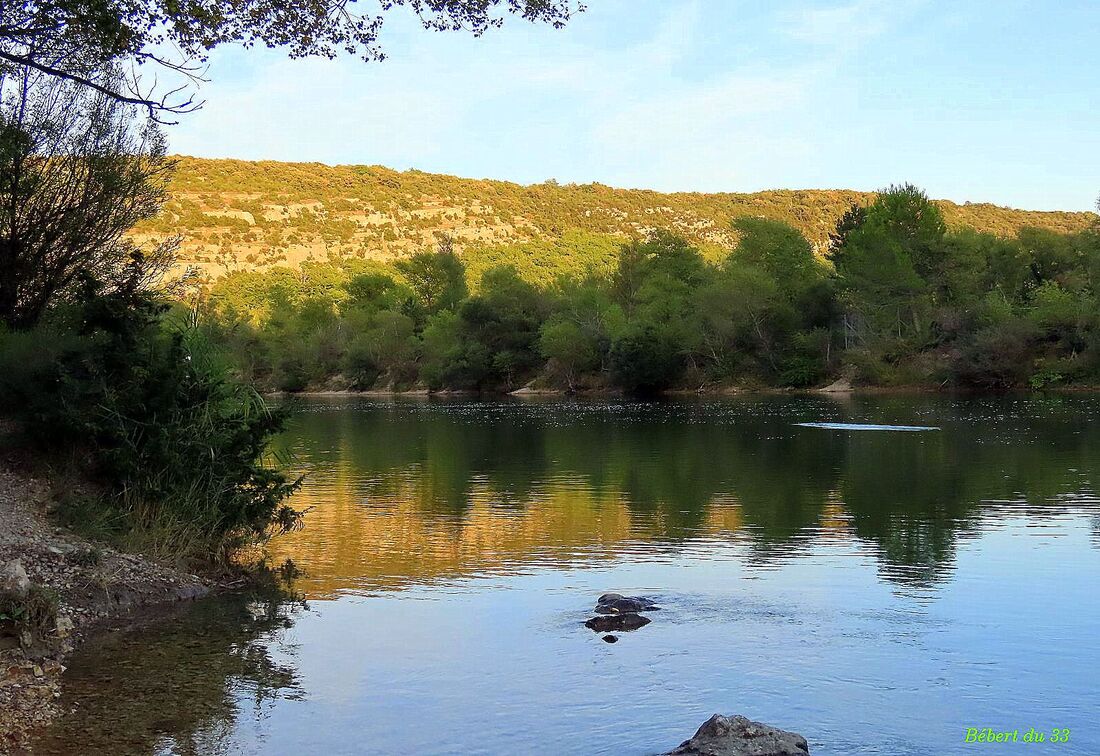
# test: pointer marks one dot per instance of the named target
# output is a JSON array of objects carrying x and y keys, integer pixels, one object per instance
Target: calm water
[{"x": 876, "y": 591}]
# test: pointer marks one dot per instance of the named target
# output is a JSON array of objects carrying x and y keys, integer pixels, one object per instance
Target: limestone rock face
[{"x": 740, "y": 736}]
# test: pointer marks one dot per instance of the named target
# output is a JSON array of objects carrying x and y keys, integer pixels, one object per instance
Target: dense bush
[
  {"x": 175, "y": 450},
  {"x": 643, "y": 360}
]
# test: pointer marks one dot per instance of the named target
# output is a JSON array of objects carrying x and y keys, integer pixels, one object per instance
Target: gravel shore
[{"x": 92, "y": 583}]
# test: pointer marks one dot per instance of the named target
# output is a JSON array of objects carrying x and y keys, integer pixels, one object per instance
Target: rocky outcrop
[
  {"x": 839, "y": 386},
  {"x": 740, "y": 736}
]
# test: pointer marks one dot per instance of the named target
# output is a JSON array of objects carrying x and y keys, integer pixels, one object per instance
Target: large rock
[
  {"x": 614, "y": 603},
  {"x": 740, "y": 736},
  {"x": 616, "y": 623},
  {"x": 14, "y": 580}
]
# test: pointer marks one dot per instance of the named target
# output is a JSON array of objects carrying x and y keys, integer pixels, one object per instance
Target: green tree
[
  {"x": 570, "y": 350},
  {"x": 889, "y": 264},
  {"x": 644, "y": 359},
  {"x": 438, "y": 279},
  {"x": 781, "y": 251}
]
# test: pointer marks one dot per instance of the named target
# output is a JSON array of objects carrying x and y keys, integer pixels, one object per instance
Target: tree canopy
[
  {"x": 76, "y": 173},
  {"x": 75, "y": 39}
]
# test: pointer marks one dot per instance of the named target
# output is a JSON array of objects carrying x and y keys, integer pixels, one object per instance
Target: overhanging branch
[{"x": 157, "y": 108}]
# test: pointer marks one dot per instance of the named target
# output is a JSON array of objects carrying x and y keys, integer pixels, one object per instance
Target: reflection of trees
[
  {"x": 176, "y": 685},
  {"x": 468, "y": 483}
]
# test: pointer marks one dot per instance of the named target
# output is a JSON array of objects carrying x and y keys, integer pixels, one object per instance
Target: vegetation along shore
[{"x": 893, "y": 295}]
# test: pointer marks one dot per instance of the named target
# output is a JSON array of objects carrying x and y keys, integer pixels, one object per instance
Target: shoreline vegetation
[
  {"x": 896, "y": 301},
  {"x": 839, "y": 387},
  {"x": 60, "y": 588},
  {"x": 152, "y": 461}
]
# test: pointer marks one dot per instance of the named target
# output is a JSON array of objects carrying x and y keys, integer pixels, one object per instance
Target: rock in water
[
  {"x": 616, "y": 623},
  {"x": 613, "y": 603},
  {"x": 740, "y": 736}
]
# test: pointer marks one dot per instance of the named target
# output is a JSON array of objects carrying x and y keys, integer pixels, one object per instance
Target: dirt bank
[{"x": 51, "y": 568}]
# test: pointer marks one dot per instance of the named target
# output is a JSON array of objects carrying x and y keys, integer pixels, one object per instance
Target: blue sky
[{"x": 981, "y": 101}]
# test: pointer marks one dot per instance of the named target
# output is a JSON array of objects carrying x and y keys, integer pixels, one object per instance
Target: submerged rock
[
  {"x": 740, "y": 736},
  {"x": 616, "y": 623}
]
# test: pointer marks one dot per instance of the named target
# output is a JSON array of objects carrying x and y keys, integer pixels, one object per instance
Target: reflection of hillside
[
  {"x": 395, "y": 543},
  {"x": 404, "y": 493}
]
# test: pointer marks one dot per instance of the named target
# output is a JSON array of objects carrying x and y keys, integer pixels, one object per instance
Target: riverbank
[
  {"x": 838, "y": 388},
  {"x": 75, "y": 586}
]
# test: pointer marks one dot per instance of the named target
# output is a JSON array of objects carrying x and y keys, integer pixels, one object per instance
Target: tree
[
  {"x": 890, "y": 262},
  {"x": 502, "y": 323},
  {"x": 852, "y": 219},
  {"x": 780, "y": 250},
  {"x": 570, "y": 350},
  {"x": 438, "y": 279},
  {"x": 75, "y": 39},
  {"x": 76, "y": 173},
  {"x": 644, "y": 360}
]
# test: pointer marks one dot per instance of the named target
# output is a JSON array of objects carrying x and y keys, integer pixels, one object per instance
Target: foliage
[
  {"x": 644, "y": 359},
  {"x": 902, "y": 298},
  {"x": 237, "y": 215},
  {"x": 76, "y": 174},
  {"x": 34, "y": 612},
  {"x": 998, "y": 356},
  {"x": 73, "y": 39},
  {"x": 437, "y": 279},
  {"x": 173, "y": 445}
]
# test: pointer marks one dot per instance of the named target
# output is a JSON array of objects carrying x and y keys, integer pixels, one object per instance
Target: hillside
[{"x": 235, "y": 214}]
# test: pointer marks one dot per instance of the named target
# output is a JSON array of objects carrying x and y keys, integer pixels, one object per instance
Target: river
[{"x": 877, "y": 591}]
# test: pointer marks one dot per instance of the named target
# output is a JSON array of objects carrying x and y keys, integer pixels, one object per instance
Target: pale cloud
[
  {"x": 625, "y": 114},
  {"x": 848, "y": 25},
  {"x": 702, "y": 133}
]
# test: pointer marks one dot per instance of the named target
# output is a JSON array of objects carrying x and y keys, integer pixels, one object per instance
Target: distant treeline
[{"x": 899, "y": 299}]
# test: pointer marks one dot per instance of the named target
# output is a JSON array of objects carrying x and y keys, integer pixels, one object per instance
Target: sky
[{"x": 974, "y": 101}]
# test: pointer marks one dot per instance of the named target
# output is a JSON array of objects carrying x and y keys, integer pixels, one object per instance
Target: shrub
[
  {"x": 360, "y": 366},
  {"x": 644, "y": 361},
  {"x": 999, "y": 356},
  {"x": 34, "y": 612},
  {"x": 175, "y": 448}
]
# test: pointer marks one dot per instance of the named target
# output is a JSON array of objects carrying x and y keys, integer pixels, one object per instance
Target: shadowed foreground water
[{"x": 876, "y": 591}]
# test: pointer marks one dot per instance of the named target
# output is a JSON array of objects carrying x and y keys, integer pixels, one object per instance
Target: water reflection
[
  {"x": 878, "y": 592},
  {"x": 409, "y": 492},
  {"x": 179, "y": 684}
]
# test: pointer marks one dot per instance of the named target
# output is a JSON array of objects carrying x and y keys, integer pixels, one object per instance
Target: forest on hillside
[
  {"x": 239, "y": 215},
  {"x": 900, "y": 298}
]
